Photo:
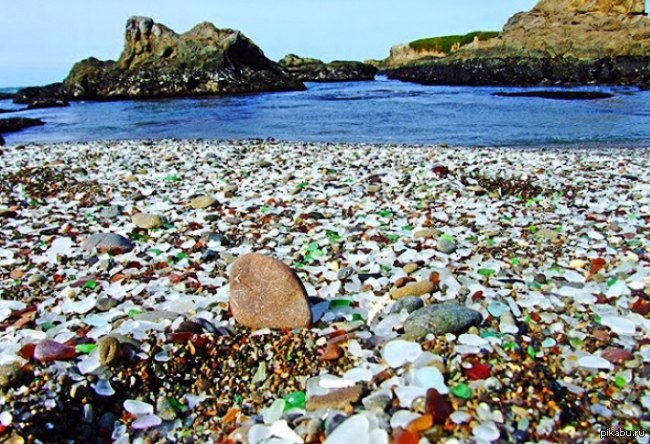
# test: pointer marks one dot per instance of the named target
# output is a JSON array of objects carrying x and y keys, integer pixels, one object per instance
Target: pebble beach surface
[{"x": 456, "y": 294}]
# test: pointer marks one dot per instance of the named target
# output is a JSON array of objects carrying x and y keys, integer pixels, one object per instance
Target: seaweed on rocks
[
  {"x": 40, "y": 183},
  {"x": 524, "y": 188}
]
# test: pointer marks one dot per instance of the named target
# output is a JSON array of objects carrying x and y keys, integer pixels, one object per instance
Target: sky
[{"x": 40, "y": 40}]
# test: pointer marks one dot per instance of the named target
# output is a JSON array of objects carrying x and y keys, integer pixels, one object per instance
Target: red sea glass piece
[
  {"x": 477, "y": 371},
  {"x": 440, "y": 170},
  {"x": 180, "y": 337},
  {"x": 48, "y": 350},
  {"x": 596, "y": 265},
  {"x": 438, "y": 406},
  {"x": 641, "y": 306},
  {"x": 476, "y": 296},
  {"x": 27, "y": 351}
]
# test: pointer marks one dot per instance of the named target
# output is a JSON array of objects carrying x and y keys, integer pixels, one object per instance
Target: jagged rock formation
[
  {"x": 313, "y": 70},
  {"x": 157, "y": 62},
  {"x": 558, "y": 41}
]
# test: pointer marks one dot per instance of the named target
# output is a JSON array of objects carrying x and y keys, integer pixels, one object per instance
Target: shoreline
[
  {"x": 549, "y": 245},
  {"x": 573, "y": 147}
]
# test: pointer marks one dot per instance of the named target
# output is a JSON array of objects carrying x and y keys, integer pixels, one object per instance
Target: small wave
[
  {"x": 371, "y": 95},
  {"x": 158, "y": 123}
]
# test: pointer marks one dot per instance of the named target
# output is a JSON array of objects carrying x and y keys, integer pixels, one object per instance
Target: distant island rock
[
  {"x": 557, "y": 42},
  {"x": 437, "y": 47},
  {"x": 157, "y": 62},
  {"x": 307, "y": 69}
]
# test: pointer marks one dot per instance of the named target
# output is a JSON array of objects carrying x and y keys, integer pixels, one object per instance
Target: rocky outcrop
[
  {"x": 436, "y": 47},
  {"x": 577, "y": 28},
  {"x": 157, "y": 62},
  {"x": 35, "y": 94},
  {"x": 14, "y": 124},
  {"x": 403, "y": 54},
  {"x": 558, "y": 41},
  {"x": 313, "y": 70},
  {"x": 527, "y": 71}
]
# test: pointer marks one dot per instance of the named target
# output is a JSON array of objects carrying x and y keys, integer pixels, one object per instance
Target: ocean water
[{"x": 383, "y": 111}]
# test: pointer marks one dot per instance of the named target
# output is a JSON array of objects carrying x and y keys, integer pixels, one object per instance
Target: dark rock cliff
[{"x": 157, "y": 62}]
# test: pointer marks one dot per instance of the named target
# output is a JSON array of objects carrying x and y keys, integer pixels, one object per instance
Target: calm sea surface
[{"x": 381, "y": 111}]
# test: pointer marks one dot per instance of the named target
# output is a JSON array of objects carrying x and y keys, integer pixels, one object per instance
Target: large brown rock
[
  {"x": 606, "y": 7},
  {"x": 556, "y": 42},
  {"x": 577, "y": 28},
  {"x": 265, "y": 293}
]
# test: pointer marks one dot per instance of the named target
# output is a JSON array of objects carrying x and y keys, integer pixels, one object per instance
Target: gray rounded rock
[
  {"x": 111, "y": 212},
  {"x": 105, "y": 303},
  {"x": 108, "y": 242},
  {"x": 213, "y": 236},
  {"x": 408, "y": 303},
  {"x": 440, "y": 319},
  {"x": 445, "y": 246},
  {"x": 345, "y": 273}
]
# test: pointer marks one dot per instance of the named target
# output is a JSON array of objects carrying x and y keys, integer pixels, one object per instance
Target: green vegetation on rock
[{"x": 445, "y": 44}]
